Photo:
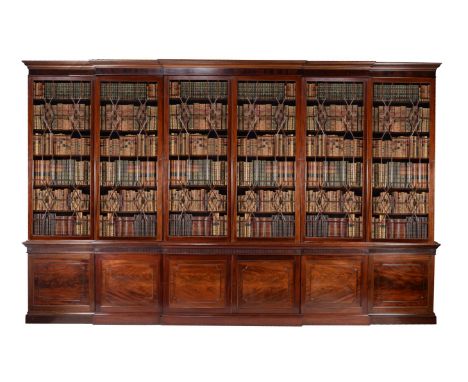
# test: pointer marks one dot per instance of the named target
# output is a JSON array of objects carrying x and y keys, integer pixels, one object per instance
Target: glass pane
[
  {"x": 128, "y": 164},
  {"x": 198, "y": 148},
  {"x": 266, "y": 165},
  {"x": 400, "y": 149},
  {"x": 61, "y": 158},
  {"x": 334, "y": 142}
]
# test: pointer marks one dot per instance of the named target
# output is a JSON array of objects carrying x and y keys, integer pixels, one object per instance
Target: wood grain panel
[
  {"x": 332, "y": 283},
  {"x": 61, "y": 283},
  {"x": 266, "y": 285},
  {"x": 128, "y": 282},
  {"x": 401, "y": 283},
  {"x": 197, "y": 283}
]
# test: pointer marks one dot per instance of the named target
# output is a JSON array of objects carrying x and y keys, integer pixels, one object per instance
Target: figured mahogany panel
[
  {"x": 266, "y": 285},
  {"x": 61, "y": 283},
  {"x": 128, "y": 282},
  {"x": 197, "y": 283},
  {"x": 332, "y": 283},
  {"x": 401, "y": 283}
]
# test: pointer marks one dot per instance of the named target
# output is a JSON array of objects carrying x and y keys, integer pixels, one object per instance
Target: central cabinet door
[
  {"x": 267, "y": 285},
  {"x": 197, "y": 283},
  {"x": 333, "y": 283}
]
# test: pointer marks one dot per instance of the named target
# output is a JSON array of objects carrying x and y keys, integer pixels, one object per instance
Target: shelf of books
[
  {"x": 61, "y": 178},
  {"x": 128, "y": 159},
  {"x": 266, "y": 159},
  {"x": 198, "y": 158},
  {"x": 334, "y": 159},
  {"x": 400, "y": 160}
]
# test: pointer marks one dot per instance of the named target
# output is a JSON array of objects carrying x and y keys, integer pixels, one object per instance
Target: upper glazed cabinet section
[
  {"x": 198, "y": 158},
  {"x": 231, "y": 151},
  {"x": 334, "y": 159},
  {"x": 61, "y": 158},
  {"x": 401, "y": 172},
  {"x": 266, "y": 159},
  {"x": 128, "y": 170}
]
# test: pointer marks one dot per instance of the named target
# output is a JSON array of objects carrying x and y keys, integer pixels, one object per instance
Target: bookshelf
[
  {"x": 128, "y": 171},
  {"x": 61, "y": 156},
  {"x": 400, "y": 160},
  {"x": 231, "y": 192},
  {"x": 266, "y": 165},
  {"x": 198, "y": 152},
  {"x": 334, "y": 159}
]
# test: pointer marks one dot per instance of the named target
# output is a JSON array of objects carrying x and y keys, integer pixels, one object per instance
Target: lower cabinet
[
  {"x": 401, "y": 284},
  {"x": 314, "y": 288},
  {"x": 334, "y": 283},
  {"x": 267, "y": 285},
  {"x": 197, "y": 284},
  {"x": 231, "y": 284},
  {"x": 128, "y": 283},
  {"x": 61, "y": 283}
]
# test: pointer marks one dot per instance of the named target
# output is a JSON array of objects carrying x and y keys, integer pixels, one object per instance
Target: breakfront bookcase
[{"x": 231, "y": 192}]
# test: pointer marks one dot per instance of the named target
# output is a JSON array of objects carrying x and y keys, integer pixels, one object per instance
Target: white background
[{"x": 321, "y": 30}]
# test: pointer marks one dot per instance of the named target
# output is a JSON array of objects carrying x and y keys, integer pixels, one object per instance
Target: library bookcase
[{"x": 231, "y": 192}]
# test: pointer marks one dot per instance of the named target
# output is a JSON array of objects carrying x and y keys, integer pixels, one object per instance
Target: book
[
  {"x": 275, "y": 226},
  {"x": 127, "y": 226},
  {"x": 411, "y": 227},
  {"x": 326, "y": 226},
  {"x": 266, "y": 90},
  {"x": 128, "y": 91},
  {"x": 198, "y": 89},
  {"x": 335, "y": 91},
  {"x": 185, "y": 224},
  {"x": 263, "y": 173},
  {"x": 57, "y": 90},
  {"x": 334, "y": 118},
  {"x": 334, "y": 173}
]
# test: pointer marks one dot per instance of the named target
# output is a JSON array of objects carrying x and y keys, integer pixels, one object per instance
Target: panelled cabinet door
[
  {"x": 61, "y": 283},
  {"x": 267, "y": 285},
  {"x": 197, "y": 283},
  {"x": 128, "y": 282},
  {"x": 401, "y": 284},
  {"x": 333, "y": 284}
]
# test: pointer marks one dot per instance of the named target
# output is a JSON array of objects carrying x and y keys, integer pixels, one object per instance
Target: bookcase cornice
[{"x": 232, "y": 67}]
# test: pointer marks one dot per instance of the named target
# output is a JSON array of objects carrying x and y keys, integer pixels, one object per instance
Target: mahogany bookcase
[{"x": 231, "y": 192}]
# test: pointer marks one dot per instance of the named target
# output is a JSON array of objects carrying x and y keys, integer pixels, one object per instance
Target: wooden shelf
[
  {"x": 396, "y": 134},
  {"x": 359, "y": 213},
  {"x": 106, "y": 133},
  {"x": 334, "y": 188},
  {"x": 152, "y": 187},
  {"x": 387, "y": 159},
  {"x": 221, "y": 132},
  {"x": 408, "y": 103},
  {"x": 61, "y": 156},
  {"x": 86, "y": 133},
  {"x": 323, "y": 158},
  {"x": 198, "y": 186},
  {"x": 246, "y": 133},
  {"x": 105, "y": 158},
  {"x": 197, "y": 156}
]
